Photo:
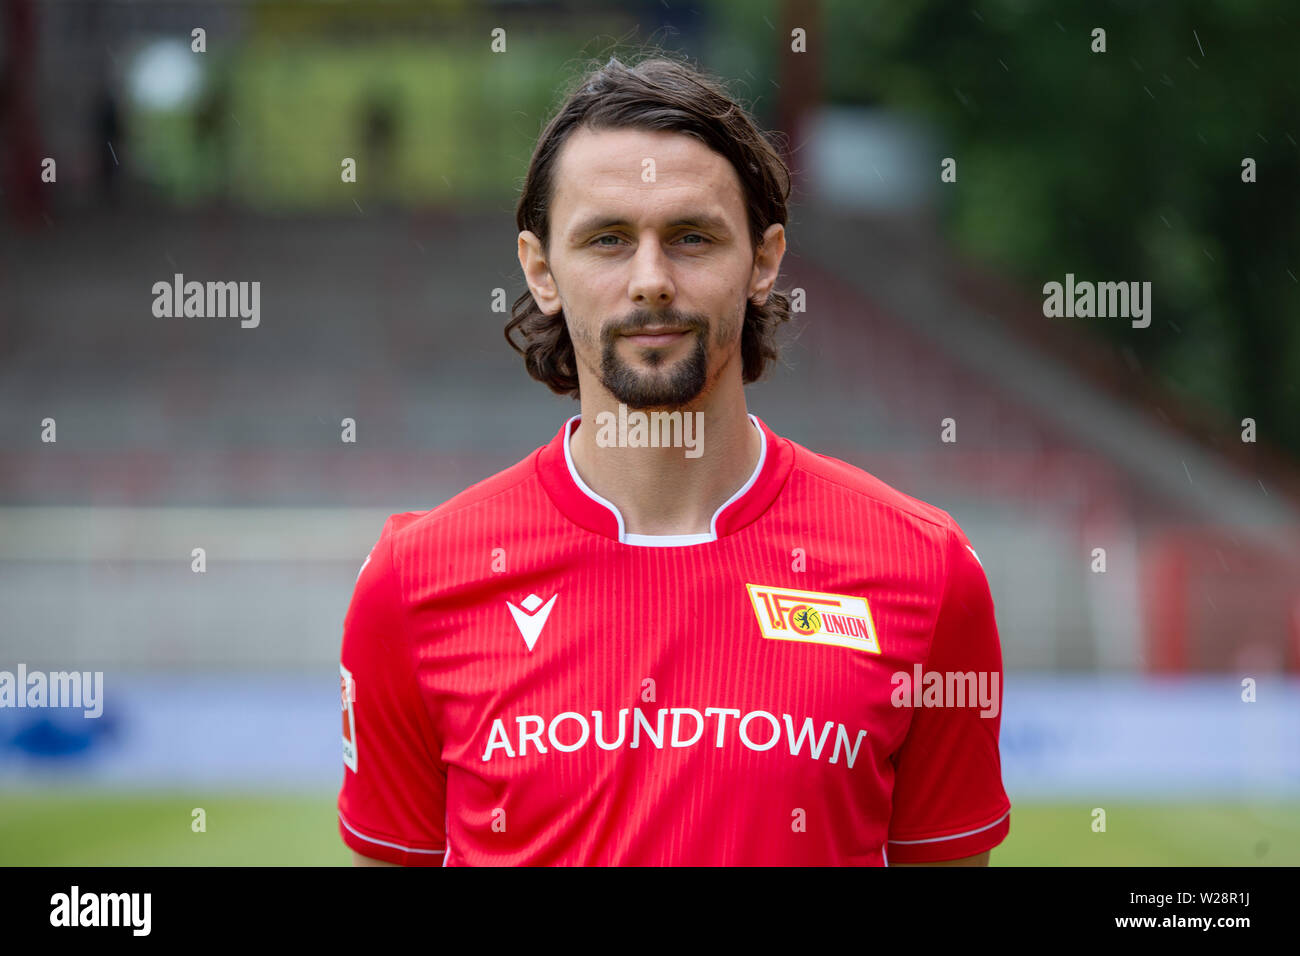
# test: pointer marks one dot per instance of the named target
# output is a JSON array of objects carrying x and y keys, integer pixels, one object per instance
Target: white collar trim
[{"x": 664, "y": 540}]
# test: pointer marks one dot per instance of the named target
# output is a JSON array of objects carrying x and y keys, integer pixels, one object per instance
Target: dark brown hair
[{"x": 656, "y": 94}]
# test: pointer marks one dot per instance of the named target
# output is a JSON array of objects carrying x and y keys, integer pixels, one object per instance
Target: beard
[{"x": 668, "y": 384}]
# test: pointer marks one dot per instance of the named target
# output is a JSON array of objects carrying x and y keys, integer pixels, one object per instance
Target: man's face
[{"x": 651, "y": 261}]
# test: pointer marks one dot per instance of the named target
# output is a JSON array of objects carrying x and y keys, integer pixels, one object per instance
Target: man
[{"x": 670, "y": 636}]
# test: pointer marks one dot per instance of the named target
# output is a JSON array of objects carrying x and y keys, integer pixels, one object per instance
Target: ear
[
  {"x": 767, "y": 263},
  {"x": 537, "y": 273}
]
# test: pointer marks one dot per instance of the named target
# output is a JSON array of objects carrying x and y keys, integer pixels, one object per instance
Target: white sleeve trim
[
  {"x": 954, "y": 836},
  {"x": 369, "y": 839}
]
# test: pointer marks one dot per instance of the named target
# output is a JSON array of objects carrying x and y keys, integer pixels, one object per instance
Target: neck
[{"x": 661, "y": 491}]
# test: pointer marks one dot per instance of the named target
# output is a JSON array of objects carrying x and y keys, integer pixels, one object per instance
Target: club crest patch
[{"x": 840, "y": 619}]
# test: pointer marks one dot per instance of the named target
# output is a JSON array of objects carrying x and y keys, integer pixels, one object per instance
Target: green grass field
[{"x": 88, "y": 829}]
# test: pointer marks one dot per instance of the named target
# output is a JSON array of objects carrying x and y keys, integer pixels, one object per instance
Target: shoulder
[
  {"x": 921, "y": 536},
  {"x": 491, "y": 503},
  {"x": 859, "y": 489}
]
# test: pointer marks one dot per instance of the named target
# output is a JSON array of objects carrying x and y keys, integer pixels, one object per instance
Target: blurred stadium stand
[{"x": 385, "y": 321}]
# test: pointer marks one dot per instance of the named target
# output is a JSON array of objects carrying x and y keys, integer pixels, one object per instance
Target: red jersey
[{"x": 524, "y": 682}]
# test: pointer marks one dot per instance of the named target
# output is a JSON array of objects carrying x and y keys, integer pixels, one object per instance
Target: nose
[{"x": 651, "y": 284}]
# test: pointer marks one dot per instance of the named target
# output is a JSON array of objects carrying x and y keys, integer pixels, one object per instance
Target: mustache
[{"x": 643, "y": 319}]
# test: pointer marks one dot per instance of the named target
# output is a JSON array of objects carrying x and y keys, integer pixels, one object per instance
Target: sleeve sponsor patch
[{"x": 348, "y": 696}]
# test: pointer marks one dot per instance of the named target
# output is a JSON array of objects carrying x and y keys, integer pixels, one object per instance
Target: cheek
[
  {"x": 739, "y": 291},
  {"x": 727, "y": 331},
  {"x": 584, "y": 289},
  {"x": 568, "y": 291},
  {"x": 581, "y": 333},
  {"x": 739, "y": 303}
]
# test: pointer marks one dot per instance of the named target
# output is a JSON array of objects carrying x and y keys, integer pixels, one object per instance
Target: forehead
[{"x": 604, "y": 171}]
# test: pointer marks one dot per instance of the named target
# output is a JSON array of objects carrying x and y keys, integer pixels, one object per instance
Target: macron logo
[{"x": 530, "y": 620}]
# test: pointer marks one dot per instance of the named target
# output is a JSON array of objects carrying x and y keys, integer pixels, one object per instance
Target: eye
[
  {"x": 607, "y": 245},
  {"x": 695, "y": 235}
]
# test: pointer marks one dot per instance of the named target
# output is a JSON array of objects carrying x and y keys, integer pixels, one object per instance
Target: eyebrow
[{"x": 699, "y": 220}]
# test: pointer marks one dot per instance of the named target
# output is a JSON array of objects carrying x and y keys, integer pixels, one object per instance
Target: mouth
[{"x": 656, "y": 337}]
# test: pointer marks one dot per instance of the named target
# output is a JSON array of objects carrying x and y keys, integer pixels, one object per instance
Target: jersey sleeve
[
  {"x": 948, "y": 800},
  {"x": 392, "y": 805}
]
